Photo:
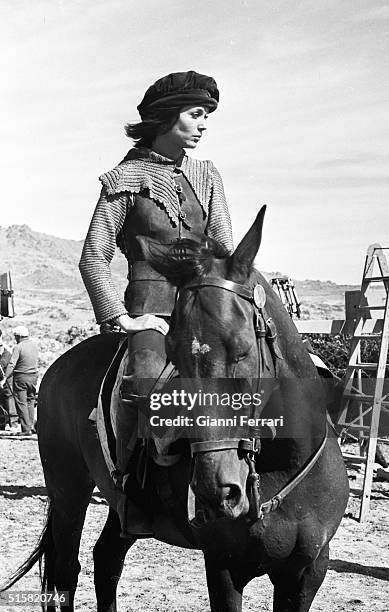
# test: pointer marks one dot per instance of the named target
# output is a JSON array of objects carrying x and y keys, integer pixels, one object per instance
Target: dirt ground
[{"x": 159, "y": 578}]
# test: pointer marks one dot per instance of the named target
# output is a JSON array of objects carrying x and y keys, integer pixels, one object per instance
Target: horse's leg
[
  {"x": 295, "y": 593},
  {"x": 68, "y": 518},
  {"x": 226, "y": 584},
  {"x": 109, "y": 553},
  {"x": 69, "y": 488}
]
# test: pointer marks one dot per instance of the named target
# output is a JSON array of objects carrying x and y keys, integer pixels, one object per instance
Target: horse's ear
[
  {"x": 155, "y": 253},
  {"x": 166, "y": 259},
  {"x": 243, "y": 257},
  {"x": 151, "y": 249}
]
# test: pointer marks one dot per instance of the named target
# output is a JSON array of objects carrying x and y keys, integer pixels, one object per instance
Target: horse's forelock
[{"x": 186, "y": 259}]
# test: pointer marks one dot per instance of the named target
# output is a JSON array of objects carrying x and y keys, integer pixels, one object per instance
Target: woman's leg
[
  {"x": 147, "y": 358},
  {"x": 146, "y": 362}
]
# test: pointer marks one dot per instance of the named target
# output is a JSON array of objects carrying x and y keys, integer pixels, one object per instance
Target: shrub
[{"x": 335, "y": 352}]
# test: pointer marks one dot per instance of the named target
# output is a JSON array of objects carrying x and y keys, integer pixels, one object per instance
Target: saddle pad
[{"x": 105, "y": 413}]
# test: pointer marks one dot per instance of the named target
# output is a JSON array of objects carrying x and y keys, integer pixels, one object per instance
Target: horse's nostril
[{"x": 233, "y": 494}]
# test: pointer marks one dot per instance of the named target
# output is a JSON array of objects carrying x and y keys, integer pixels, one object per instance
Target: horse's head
[
  {"x": 213, "y": 341},
  {"x": 223, "y": 341}
]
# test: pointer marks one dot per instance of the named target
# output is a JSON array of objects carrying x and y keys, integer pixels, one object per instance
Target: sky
[{"x": 302, "y": 125}]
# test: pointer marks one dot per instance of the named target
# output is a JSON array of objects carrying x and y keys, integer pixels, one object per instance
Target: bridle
[
  {"x": 248, "y": 447},
  {"x": 265, "y": 331}
]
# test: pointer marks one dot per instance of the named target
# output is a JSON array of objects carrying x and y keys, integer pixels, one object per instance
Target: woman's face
[{"x": 189, "y": 127}]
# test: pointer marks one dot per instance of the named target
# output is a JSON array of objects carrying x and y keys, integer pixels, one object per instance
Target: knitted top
[
  {"x": 142, "y": 170},
  {"x": 24, "y": 359}
]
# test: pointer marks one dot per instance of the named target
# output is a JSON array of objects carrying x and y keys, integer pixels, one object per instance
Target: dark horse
[{"x": 241, "y": 535}]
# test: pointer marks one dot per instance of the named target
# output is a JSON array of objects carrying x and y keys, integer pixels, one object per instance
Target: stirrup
[
  {"x": 133, "y": 522},
  {"x": 117, "y": 478},
  {"x": 130, "y": 397}
]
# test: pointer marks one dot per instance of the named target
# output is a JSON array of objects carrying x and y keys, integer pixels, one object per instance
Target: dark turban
[{"x": 180, "y": 89}]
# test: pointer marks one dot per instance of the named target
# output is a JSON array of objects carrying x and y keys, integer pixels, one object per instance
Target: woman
[{"x": 159, "y": 192}]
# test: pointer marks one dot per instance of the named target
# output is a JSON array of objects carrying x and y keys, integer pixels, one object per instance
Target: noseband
[{"x": 265, "y": 329}]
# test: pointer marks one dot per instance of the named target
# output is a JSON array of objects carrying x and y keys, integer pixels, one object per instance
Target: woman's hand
[{"x": 147, "y": 321}]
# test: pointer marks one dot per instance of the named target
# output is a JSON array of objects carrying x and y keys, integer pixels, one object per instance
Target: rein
[{"x": 251, "y": 447}]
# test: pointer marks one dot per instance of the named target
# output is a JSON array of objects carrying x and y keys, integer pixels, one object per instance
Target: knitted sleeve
[
  {"x": 97, "y": 254},
  {"x": 219, "y": 222}
]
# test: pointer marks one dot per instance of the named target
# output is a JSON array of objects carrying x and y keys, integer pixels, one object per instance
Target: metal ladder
[{"x": 365, "y": 396}]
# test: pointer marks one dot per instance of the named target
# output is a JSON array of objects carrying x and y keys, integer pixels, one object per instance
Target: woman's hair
[{"x": 159, "y": 122}]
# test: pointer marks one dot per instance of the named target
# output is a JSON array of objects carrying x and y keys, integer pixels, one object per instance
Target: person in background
[
  {"x": 6, "y": 399},
  {"x": 23, "y": 366}
]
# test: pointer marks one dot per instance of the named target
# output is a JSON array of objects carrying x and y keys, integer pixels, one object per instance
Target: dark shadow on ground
[
  {"x": 379, "y": 495},
  {"x": 337, "y": 565},
  {"x": 376, "y": 494},
  {"x": 22, "y": 491}
]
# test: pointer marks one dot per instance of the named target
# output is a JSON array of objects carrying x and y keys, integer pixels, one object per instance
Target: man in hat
[{"x": 23, "y": 366}]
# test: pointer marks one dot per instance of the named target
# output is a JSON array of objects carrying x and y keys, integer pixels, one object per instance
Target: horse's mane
[{"x": 185, "y": 259}]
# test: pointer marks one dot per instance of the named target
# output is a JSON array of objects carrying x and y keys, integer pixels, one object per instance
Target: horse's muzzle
[{"x": 228, "y": 501}]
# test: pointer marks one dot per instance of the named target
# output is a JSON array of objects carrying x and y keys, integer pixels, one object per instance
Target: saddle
[
  {"x": 156, "y": 450},
  {"x": 105, "y": 416}
]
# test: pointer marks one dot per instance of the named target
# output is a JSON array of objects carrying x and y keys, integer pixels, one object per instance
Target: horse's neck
[{"x": 298, "y": 404}]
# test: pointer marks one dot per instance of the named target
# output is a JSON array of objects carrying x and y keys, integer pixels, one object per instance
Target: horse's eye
[
  {"x": 240, "y": 357},
  {"x": 239, "y": 351}
]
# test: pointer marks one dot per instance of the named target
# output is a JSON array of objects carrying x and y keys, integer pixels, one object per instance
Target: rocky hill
[
  {"x": 48, "y": 288},
  {"x": 42, "y": 262}
]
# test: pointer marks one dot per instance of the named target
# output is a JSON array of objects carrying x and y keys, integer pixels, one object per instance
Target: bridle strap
[
  {"x": 275, "y": 501},
  {"x": 251, "y": 445},
  {"x": 222, "y": 283}
]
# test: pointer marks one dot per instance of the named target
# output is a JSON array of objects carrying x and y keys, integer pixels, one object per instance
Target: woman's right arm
[{"x": 97, "y": 254}]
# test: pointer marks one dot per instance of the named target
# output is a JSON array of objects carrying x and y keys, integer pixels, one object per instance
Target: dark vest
[{"x": 148, "y": 291}]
